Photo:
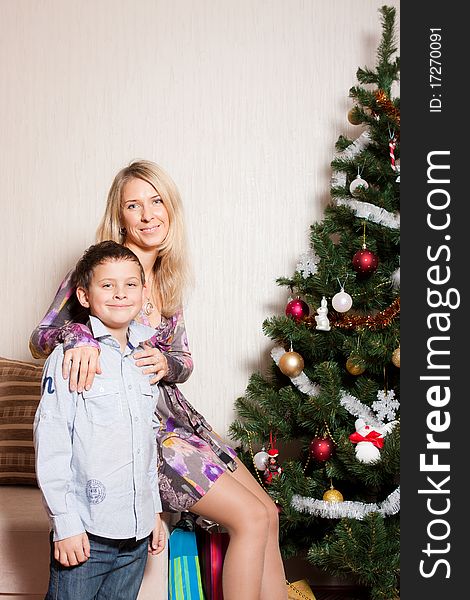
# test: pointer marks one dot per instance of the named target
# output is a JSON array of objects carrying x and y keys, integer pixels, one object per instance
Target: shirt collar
[{"x": 138, "y": 333}]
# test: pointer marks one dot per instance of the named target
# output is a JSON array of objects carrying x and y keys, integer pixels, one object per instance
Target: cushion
[{"x": 20, "y": 392}]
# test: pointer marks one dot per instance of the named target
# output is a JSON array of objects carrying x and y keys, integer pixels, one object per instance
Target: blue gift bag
[{"x": 184, "y": 569}]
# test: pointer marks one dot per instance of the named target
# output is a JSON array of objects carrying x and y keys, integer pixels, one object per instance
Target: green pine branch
[{"x": 366, "y": 548}]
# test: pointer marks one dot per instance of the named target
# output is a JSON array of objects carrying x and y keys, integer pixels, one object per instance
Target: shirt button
[
  {"x": 138, "y": 450},
  {"x": 101, "y": 389},
  {"x": 136, "y": 418},
  {"x": 129, "y": 386}
]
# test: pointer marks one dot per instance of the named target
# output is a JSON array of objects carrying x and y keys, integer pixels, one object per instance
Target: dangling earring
[{"x": 122, "y": 231}]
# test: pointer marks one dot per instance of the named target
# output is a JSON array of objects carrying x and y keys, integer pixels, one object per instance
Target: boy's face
[{"x": 115, "y": 294}]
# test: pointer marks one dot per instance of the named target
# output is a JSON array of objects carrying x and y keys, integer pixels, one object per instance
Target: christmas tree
[{"x": 333, "y": 391}]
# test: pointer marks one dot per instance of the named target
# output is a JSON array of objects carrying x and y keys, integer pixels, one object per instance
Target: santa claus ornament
[{"x": 272, "y": 469}]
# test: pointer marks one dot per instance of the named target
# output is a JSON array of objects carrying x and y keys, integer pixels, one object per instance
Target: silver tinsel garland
[
  {"x": 357, "y": 409},
  {"x": 302, "y": 382},
  {"x": 338, "y": 179},
  {"x": 348, "y": 509},
  {"x": 371, "y": 212},
  {"x": 385, "y": 407}
]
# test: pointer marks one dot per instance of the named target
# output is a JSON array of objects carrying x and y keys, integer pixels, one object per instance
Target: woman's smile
[{"x": 143, "y": 215}]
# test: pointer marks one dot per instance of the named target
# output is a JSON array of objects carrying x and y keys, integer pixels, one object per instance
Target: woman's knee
[
  {"x": 236, "y": 507},
  {"x": 252, "y": 518}
]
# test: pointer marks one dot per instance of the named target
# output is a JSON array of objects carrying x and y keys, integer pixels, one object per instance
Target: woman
[{"x": 198, "y": 472}]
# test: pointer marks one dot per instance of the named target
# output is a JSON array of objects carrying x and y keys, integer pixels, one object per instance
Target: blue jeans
[{"x": 114, "y": 571}]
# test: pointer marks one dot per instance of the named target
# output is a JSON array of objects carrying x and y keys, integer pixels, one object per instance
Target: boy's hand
[
  {"x": 157, "y": 537},
  {"x": 72, "y": 551}
]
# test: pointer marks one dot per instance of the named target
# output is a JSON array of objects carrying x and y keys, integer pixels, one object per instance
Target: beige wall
[{"x": 241, "y": 101}]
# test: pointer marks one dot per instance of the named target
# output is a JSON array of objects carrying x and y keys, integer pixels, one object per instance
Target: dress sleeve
[
  {"x": 175, "y": 347},
  {"x": 64, "y": 323}
]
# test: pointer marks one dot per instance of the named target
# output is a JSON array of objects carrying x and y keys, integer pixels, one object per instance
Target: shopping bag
[
  {"x": 212, "y": 543},
  {"x": 184, "y": 573}
]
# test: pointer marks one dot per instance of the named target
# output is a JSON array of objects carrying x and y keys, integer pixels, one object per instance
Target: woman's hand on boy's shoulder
[
  {"x": 153, "y": 360},
  {"x": 80, "y": 366}
]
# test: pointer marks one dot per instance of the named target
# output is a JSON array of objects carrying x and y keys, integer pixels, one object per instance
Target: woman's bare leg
[
  {"x": 273, "y": 585},
  {"x": 234, "y": 506},
  {"x": 253, "y": 568}
]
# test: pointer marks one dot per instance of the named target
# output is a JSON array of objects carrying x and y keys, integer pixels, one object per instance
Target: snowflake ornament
[
  {"x": 386, "y": 406},
  {"x": 307, "y": 264}
]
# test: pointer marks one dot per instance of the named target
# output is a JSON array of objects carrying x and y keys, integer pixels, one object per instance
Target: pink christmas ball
[{"x": 297, "y": 309}]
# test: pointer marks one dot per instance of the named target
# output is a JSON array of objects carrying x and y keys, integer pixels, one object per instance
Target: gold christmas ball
[
  {"x": 291, "y": 364},
  {"x": 333, "y": 495},
  {"x": 396, "y": 357},
  {"x": 353, "y": 118},
  {"x": 354, "y": 366}
]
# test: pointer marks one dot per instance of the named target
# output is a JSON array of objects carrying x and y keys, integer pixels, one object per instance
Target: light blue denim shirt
[{"x": 96, "y": 453}]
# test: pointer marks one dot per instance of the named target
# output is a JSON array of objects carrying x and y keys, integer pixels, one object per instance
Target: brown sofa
[{"x": 24, "y": 526}]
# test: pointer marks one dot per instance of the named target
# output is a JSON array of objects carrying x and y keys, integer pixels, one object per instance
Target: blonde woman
[{"x": 197, "y": 470}]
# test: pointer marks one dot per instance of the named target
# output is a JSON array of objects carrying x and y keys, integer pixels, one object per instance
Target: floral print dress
[{"x": 191, "y": 455}]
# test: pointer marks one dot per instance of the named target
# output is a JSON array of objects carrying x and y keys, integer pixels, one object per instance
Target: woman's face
[{"x": 143, "y": 215}]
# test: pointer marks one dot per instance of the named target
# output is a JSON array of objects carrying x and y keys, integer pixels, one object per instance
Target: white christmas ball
[
  {"x": 341, "y": 301},
  {"x": 366, "y": 452},
  {"x": 260, "y": 459},
  {"x": 357, "y": 185}
]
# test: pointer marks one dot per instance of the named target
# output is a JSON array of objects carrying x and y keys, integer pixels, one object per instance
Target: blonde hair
[{"x": 171, "y": 267}]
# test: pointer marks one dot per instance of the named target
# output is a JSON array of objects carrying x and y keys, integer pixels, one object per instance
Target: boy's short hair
[{"x": 98, "y": 254}]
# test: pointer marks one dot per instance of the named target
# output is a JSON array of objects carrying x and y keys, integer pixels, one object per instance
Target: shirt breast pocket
[
  {"x": 102, "y": 402},
  {"x": 148, "y": 401}
]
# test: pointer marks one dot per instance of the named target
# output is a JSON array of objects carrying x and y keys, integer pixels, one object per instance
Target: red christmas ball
[
  {"x": 365, "y": 262},
  {"x": 321, "y": 449},
  {"x": 297, "y": 309}
]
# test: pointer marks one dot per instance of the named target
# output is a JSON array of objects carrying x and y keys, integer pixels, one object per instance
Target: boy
[{"x": 96, "y": 455}]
